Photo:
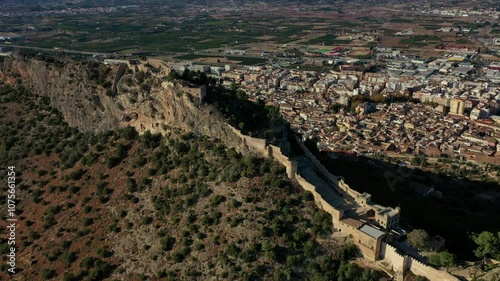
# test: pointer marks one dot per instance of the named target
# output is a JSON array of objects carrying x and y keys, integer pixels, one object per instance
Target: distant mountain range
[
  {"x": 121, "y": 2},
  {"x": 203, "y": 2}
]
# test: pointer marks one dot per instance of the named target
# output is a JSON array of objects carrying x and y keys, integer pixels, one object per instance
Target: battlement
[
  {"x": 369, "y": 239},
  {"x": 401, "y": 262}
]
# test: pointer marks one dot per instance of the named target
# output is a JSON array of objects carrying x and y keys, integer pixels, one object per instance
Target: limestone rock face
[{"x": 89, "y": 106}]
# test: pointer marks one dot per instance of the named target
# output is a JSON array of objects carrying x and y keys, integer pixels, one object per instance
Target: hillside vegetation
[{"x": 119, "y": 206}]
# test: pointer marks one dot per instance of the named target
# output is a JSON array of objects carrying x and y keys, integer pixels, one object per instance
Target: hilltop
[{"x": 102, "y": 201}]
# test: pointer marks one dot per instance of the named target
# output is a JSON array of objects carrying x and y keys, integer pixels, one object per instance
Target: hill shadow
[
  {"x": 458, "y": 212},
  {"x": 464, "y": 207}
]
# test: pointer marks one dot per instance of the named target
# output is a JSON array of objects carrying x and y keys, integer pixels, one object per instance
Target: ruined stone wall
[
  {"x": 250, "y": 143},
  {"x": 119, "y": 74},
  {"x": 353, "y": 193},
  {"x": 334, "y": 180},
  {"x": 85, "y": 105},
  {"x": 397, "y": 260},
  {"x": 347, "y": 229},
  {"x": 368, "y": 252},
  {"x": 322, "y": 203},
  {"x": 401, "y": 262},
  {"x": 431, "y": 273},
  {"x": 274, "y": 152}
]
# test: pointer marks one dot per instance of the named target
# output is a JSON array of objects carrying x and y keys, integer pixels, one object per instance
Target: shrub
[
  {"x": 48, "y": 274},
  {"x": 48, "y": 221},
  {"x": 346, "y": 252},
  {"x": 167, "y": 243},
  {"x": 217, "y": 200},
  {"x": 443, "y": 259},
  {"x": 42, "y": 173},
  {"x": 53, "y": 255},
  {"x": 139, "y": 76},
  {"x": 107, "y": 84},
  {"x": 101, "y": 270},
  {"x": 233, "y": 250},
  {"x": 236, "y": 203},
  {"x": 70, "y": 277},
  {"x": 74, "y": 189},
  {"x": 88, "y": 221},
  {"x": 419, "y": 239},
  {"x": 114, "y": 228},
  {"x": 191, "y": 217},
  {"x": 87, "y": 209},
  {"x": 147, "y": 220},
  {"x": 123, "y": 213},
  {"x": 105, "y": 253},
  {"x": 308, "y": 196},
  {"x": 87, "y": 262},
  {"x": 131, "y": 185},
  {"x": 309, "y": 248},
  {"x": 177, "y": 257},
  {"x": 69, "y": 257},
  {"x": 112, "y": 161}
]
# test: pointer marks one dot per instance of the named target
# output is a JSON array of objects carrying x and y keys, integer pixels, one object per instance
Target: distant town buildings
[{"x": 456, "y": 115}]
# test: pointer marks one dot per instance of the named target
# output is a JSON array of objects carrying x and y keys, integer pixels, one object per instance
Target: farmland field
[
  {"x": 176, "y": 29},
  {"x": 222, "y": 59}
]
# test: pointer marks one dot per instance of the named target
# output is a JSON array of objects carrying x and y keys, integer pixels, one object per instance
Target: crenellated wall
[
  {"x": 398, "y": 261},
  {"x": 119, "y": 74},
  {"x": 366, "y": 245},
  {"x": 274, "y": 152},
  {"x": 386, "y": 216},
  {"x": 334, "y": 180},
  {"x": 401, "y": 262},
  {"x": 431, "y": 273},
  {"x": 320, "y": 202},
  {"x": 86, "y": 106},
  {"x": 250, "y": 143}
]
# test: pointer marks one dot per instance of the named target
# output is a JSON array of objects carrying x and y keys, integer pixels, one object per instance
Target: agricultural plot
[
  {"x": 419, "y": 40},
  {"x": 323, "y": 40},
  {"x": 175, "y": 29},
  {"x": 222, "y": 59}
]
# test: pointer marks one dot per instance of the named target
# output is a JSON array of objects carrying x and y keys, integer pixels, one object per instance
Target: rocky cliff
[{"x": 147, "y": 104}]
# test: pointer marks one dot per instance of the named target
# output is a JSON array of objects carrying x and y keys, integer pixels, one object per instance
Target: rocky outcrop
[
  {"x": 89, "y": 106},
  {"x": 82, "y": 102}
]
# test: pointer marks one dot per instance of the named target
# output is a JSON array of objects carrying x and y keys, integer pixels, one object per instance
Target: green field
[
  {"x": 419, "y": 40},
  {"x": 400, "y": 20},
  {"x": 323, "y": 40},
  {"x": 145, "y": 32},
  {"x": 166, "y": 30},
  {"x": 430, "y": 26},
  {"x": 243, "y": 60}
]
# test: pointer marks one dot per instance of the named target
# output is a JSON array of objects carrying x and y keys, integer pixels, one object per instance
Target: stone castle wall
[
  {"x": 163, "y": 106},
  {"x": 401, "y": 262},
  {"x": 397, "y": 260},
  {"x": 119, "y": 74},
  {"x": 274, "y": 152},
  {"x": 320, "y": 202},
  {"x": 249, "y": 143},
  {"x": 334, "y": 180},
  {"x": 431, "y": 273}
]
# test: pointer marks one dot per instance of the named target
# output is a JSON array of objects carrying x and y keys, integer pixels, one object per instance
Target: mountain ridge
[{"x": 99, "y": 204}]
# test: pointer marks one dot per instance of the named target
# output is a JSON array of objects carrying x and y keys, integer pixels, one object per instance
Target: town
[
  {"x": 242, "y": 140},
  {"x": 450, "y": 107}
]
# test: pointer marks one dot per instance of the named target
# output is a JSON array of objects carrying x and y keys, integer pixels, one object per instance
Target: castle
[{"x": 370, "y": 225}]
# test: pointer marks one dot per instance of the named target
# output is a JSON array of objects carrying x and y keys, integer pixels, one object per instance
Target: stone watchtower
[
  {"x": 291, "y": 169},
  {"x": 203, "y": 93}
]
